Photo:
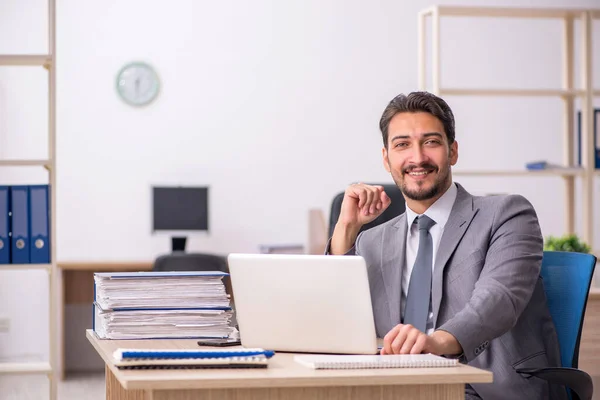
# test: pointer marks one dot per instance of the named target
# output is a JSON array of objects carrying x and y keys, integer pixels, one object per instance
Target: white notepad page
[{"x": 376, "y": 361}]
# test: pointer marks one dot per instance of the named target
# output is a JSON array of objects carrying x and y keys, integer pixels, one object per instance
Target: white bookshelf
[
  {"x": 25, "y": 163},
  {"x": 48, "y": 62},
  {"x": 527, "y": 173},
  {"x": 23, "y": 60},
  {"x": 509, "y": 92},
  {"x": 565, "y": 90},
  {"x": 25, "y": 267},
  {"x": 25, "y": 368}
]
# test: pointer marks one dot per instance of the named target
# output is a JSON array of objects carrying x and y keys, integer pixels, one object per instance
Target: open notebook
[
  {"x": 376, "y": 361},
  {"x": 184, "y": 358}
]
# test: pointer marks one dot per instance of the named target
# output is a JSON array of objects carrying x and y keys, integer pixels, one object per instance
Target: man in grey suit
[{"x": 455, "y": 275}]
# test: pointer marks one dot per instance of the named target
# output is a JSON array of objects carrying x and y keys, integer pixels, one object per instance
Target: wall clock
[{"x": 137, "y": 84}]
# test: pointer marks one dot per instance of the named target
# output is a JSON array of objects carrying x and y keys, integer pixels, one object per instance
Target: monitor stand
[{"x": 178, "y": 244}]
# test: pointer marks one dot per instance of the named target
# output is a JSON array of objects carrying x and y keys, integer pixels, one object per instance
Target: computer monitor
[{"x": 179, "y": 210}]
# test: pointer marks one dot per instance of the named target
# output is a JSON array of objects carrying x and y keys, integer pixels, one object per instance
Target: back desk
[{"x": 76, "y": 287}]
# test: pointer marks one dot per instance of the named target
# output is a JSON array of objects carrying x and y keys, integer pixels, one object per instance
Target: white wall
[{"x": 274, "y": 105}]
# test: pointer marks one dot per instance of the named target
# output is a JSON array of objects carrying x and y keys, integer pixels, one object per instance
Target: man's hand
[
  {"x": 406, "y": 339},
  {"x": 361, "y": 205}
]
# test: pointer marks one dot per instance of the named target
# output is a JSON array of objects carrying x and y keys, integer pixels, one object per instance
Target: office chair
[
  {"x": 182, "y": 261},
  {"x": 397, "y": 207},
  {"x": 567, "y": 277}
]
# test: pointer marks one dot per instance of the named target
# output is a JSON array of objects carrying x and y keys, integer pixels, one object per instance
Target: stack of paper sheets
[{"x": 146, "y": 305}]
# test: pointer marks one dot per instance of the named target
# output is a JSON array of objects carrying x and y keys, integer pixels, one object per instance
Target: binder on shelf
[
  {"x": 19, "y": 201},
  {"x": 4, "y": 225},
  {"x": 39, "y": 224},
  {"x": 596, "y": 123}
]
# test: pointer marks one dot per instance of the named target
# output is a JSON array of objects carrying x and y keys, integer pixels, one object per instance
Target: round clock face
[{"x": 137, "y": 84}]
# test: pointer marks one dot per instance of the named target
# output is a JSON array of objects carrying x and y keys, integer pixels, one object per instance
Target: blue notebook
[
  {"x": 187, "y": 358},
  {"x": 121, "y": 353}
]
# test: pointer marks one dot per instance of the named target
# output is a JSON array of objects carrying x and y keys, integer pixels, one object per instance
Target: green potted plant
[{"x": 569, "y": 242}]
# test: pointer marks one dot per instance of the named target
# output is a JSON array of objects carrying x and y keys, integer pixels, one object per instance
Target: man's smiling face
[{"x": 419, "y": 157}]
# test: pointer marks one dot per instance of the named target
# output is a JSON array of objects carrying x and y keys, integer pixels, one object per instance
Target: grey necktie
[{"x": 419, "y": 287}]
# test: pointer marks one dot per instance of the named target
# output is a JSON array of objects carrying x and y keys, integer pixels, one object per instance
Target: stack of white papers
[
  {"x": 151, "y": 289},
  {"x": 151, "y": 324},
  {"x": 147, "y": 305}
]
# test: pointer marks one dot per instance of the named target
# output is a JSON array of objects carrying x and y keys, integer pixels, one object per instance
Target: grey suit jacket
[{"x": 486, "y": 290}]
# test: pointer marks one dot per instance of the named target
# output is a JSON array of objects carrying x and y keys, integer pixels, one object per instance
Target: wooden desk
[
  {"x": 76, "y": 286},
  {"x": 283, "y": 379},
  {"x": 76, "y": 280}
]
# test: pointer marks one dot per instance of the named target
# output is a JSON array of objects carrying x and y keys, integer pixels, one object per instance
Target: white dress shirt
[{"x": 439, "y": 212}]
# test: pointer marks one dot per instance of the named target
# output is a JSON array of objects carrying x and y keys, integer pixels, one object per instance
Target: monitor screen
[{"x": 180, "y": 208}]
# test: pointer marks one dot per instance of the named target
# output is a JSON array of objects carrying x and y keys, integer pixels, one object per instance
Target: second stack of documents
[{"x": 153, "y": 305}]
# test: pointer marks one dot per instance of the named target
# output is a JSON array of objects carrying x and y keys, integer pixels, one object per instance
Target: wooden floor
[{"x": 82, "y": 386}]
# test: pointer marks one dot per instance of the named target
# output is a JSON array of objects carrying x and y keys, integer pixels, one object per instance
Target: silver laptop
[{"x": 303, "y": 303}]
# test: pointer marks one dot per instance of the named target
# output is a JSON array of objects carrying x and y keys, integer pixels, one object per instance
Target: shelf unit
[
  {"x": 25, "y": 368},
  {"x": 567, "y": 92},
  {"x": 47, "y": 61},
  {"x": 25, "y": 163},
  {"x": 25, "y": 267},
  {"x": 544, "y": 172}
]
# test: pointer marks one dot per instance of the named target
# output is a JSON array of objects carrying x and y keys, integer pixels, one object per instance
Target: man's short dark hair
[{"x": 418, "y": 102}]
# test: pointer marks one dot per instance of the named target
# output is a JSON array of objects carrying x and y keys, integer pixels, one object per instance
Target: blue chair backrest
[{"x": 567, "y": 277}]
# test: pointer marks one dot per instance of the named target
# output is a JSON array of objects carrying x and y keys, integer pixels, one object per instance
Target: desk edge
[
  {"x": 480, "y": 376},
  {"x": 91, "y": 335}
]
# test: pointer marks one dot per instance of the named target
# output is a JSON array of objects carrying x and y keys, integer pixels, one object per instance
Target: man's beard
[{"x": 422, "y": 194}]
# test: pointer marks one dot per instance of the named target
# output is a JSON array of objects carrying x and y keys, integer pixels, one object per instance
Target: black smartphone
[{"x": 219, "y": 342}]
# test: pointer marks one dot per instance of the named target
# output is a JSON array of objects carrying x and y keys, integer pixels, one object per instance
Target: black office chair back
[
  {"x": 397, "y": 207},
  {"x": 181, "y": 261}
]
